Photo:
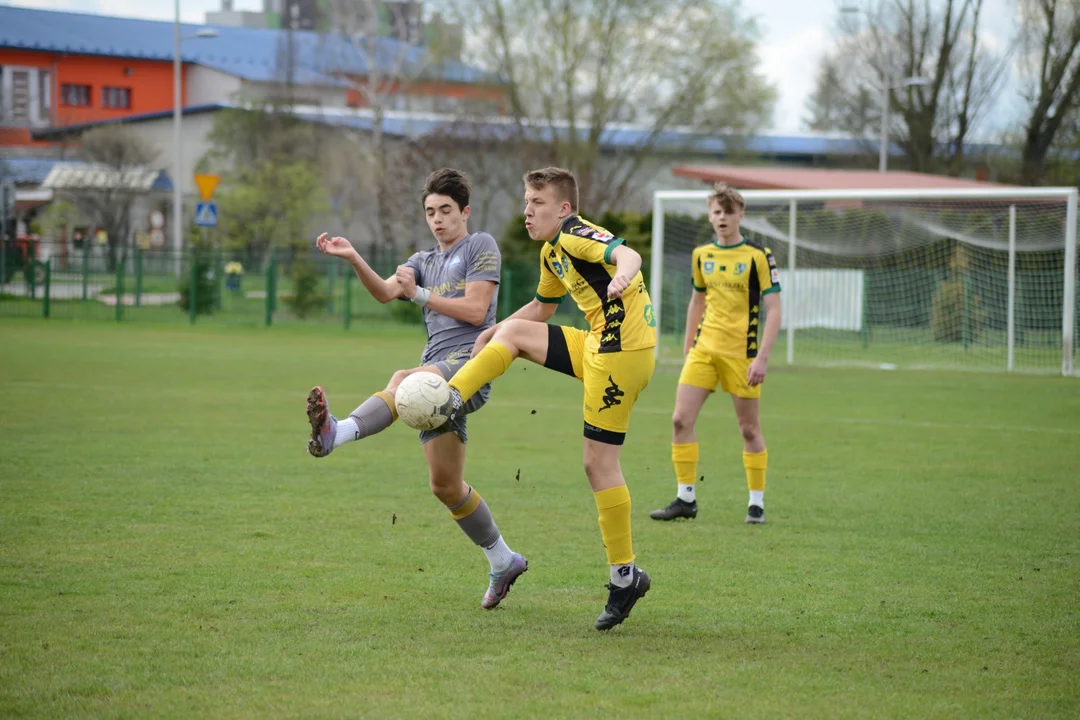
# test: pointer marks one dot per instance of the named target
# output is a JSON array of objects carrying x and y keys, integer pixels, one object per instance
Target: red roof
[{"x": 772, "y": 178}]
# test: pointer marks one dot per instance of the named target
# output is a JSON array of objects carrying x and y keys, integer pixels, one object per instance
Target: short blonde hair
[
  {"x": 564, "y": 182},
  {"x": 730, "y": 199}
]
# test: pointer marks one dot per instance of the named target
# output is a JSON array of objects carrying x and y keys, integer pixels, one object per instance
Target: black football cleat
[
  {"x": 678, "y": 508},
  {"x": 621, "y": 600},
  {"x": 755, "y": 515}
]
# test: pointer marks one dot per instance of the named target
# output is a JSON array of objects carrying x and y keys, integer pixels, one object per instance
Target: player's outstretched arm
[
  {"x": 382, "y": 290},
  {"x": 627, "y": 265},
  {"x": 694, "y": 312},
  {"x": 755, "y": 375}
]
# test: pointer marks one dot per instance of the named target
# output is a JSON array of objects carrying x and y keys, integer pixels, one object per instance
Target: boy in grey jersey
[{"x": 456, "y": 284}]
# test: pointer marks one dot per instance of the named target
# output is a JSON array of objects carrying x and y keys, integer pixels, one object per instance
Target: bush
[
  {"x": 954, "y": 306},
  {"x": 205, "y": 287},
  {"x": 306, "y": 296}
]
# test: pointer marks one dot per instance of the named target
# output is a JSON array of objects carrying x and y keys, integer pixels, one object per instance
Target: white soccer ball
[{"x": 423, "y": 400}]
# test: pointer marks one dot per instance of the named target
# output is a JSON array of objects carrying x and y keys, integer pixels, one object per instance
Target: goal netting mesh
[{"x": 901, "y": 281}]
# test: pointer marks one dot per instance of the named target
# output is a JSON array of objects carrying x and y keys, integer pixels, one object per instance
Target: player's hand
[
  {"x": 336, "y": 246},
  {"x": 406, "y": 278},
  {"x": 618, "y": 284},
  {"x": 755, "y": 374},
  {"x": 482, "y": 340}
]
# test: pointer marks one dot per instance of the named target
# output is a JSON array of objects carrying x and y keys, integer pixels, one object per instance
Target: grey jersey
[{"x": 475, "y": 257}]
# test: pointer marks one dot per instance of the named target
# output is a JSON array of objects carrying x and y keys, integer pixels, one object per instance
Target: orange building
[
  {"x": 51, "y": 89},
  {"x": 59, "y": 70}
]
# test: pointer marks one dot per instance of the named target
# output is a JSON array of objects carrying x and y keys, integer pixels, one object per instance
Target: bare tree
[
  {"x": 889, "y": 41},
  {"x": 120, "y": 172},
  {"x": 381, "y": 72},
  {"x": 1050, "y": 58},
  {"x": 575, "y": 70}
]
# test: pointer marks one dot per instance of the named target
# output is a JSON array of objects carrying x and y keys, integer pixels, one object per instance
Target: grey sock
[
  {"x": 373, "y": 416},
  {"x": 478, "y": 525}
]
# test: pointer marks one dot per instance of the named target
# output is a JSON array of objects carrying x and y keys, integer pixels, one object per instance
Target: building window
[
  {"x": 44, "y": 95},
  {"x": 20, "y": 96},
  {"x": 75, "y": 95},
  {"x": 116, "y": 98}
]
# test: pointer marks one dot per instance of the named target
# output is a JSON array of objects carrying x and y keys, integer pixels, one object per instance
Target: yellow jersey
[
  {"x": 734, "y": 279},
  {"x": 578, "y": 261}
]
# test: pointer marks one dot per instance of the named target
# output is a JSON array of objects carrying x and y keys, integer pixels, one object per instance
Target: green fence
[{"x": 231, "y": 288}]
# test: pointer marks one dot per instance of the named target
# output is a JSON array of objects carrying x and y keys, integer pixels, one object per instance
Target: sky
[{"x": 794, "y": 35}]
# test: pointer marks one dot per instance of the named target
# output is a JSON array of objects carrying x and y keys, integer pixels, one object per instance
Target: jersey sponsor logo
[
  {"x": 740, "y": 268},
  {"x": 612, "y": 393},
  {"x": 587, "y": 231}
]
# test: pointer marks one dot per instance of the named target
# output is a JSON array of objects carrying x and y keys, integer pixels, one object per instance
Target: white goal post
[{"x": 980, "y": 279}]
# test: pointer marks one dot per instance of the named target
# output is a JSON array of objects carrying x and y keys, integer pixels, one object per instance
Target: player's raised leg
[
  {"x": 372, "y": 416},
  {"x": 513, "y": 338},
  {"x": 755, "y": 455},
  {"x": 445, "y": 454}
]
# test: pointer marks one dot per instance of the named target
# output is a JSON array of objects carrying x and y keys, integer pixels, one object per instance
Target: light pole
[
  {"x": 178, "y": 197},
  {"x": 887, "y": 85},
  {"x": 883, "y": 145}
]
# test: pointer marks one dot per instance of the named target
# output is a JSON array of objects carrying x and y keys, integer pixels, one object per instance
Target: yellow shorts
[
  {"x": 612, "y": 381},
  {"x": 708, "y": 371}
]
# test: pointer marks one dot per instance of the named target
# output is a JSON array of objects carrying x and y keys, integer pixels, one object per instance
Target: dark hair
[
  {"x": 564, "y": 182},
  {"x": 449, "y": 182}
]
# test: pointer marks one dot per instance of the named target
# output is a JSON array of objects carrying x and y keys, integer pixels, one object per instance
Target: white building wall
[{"x": 206, "y": 86}]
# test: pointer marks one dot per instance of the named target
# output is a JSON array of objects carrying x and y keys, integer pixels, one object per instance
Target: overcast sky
[{"x": 794, "y": 34}]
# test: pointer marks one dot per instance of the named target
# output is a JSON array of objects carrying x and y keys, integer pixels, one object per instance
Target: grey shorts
[{"x": 449, "y": 366}]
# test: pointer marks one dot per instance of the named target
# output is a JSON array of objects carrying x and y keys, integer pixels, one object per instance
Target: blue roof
[
  {"x": 619, "y": 138},
  {"x": 249, "y": 53},
  {"x": 26, "y": 170}
]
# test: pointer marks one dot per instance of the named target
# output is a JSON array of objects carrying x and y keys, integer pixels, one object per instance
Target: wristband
[{"x": 421, "y": 296}]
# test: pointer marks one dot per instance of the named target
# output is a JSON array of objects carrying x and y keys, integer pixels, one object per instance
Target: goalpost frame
[{"x": 793, "y": 197}]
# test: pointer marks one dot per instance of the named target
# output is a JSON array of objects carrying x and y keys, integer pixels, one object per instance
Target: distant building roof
[
  {"x": 761, "y": 178},
  {"x": 255, "y": 54},
  {"x": 616, "y": 138},
  {"x": 26, "y": 170}
]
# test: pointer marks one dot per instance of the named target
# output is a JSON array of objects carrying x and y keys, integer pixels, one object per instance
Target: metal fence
[{"x": 251, "y": 287}]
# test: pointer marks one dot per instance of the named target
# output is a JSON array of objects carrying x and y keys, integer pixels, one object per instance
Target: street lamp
[
  {"x": 886, "y": 86},
  {"x": 178, "y": 199},
  {"x": 883, "y": 144}
]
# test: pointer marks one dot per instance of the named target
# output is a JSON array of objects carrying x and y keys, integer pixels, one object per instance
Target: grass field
[{"x": 169, "y": 550}]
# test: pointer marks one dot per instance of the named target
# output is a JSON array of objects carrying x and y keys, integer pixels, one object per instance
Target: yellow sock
[
  {"x": 614, "y": 507},
  {"x": 389, "y": 400},
  {"x": 685, "y": 458},
  {"x": 489, "y": 364},
  {"x": 755, "y": 464}
]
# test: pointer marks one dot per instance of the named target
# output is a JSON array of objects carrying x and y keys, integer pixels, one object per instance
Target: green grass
[{"x": 169, "y": 550}]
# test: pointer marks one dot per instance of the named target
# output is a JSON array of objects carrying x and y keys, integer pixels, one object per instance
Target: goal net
[{"x": 980, "y": 280}]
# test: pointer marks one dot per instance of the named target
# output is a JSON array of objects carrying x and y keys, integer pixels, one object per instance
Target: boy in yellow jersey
[
  {"x": 614, "y": 359},
  {"x": 725, "y": 346}
]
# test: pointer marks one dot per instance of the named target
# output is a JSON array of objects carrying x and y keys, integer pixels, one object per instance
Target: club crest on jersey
[
  {"x": 740, "y": 268},
  {"x": 558, "y": 268},
  {"x": 708, "y": 267}
]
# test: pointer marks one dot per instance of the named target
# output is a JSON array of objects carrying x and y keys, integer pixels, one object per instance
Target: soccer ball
[{"x": 423, "y": 400}]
